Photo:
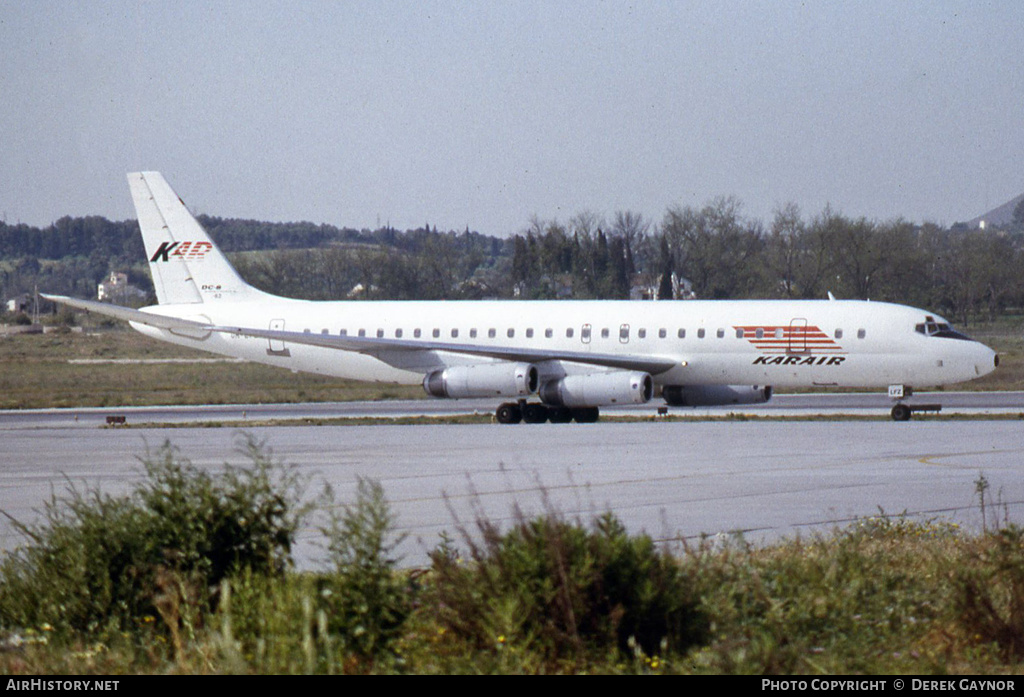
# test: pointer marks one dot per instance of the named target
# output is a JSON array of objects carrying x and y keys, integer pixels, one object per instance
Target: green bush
[
  {"x": 346, "y": 618},
  {"x": 836, "y": 602},
  {"x": 98, "y": 561},
  {"x": 566, "y": 591},
  {"x": 988, "y": 591},
  {"x": 366, "y": 598}
]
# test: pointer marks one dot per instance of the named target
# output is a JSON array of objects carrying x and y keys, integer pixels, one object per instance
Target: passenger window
[
  {"x": 529, "y": 333},
  {"x": 700, "y": 333},
  {"x": 306, "y": 331},
  {"x": 604, "y": 333},
  {"x": 839, "y": 333},
  {"x": 380, "y": 333},
  {"x": 548, "y": 333},
  {"x": 681, "y": 334},
  {"x": 585, "y": 333},
  {"x": 362, "y": 332},
  {"x": 759, "y": 333},
  {"x": 569, "y": 333},
  {"x": 662, "y": 333},
  {"x": 436, "y": 333},
  {"x": 861, "y": 333},
  {"x": 739, "y": 333},
  {"x": 325, "y": 331},
  {"x": 491, "y": 333},
  {"x": 641, "y": 333},
  {"x": 398, "y": 333},
  {"x": 455, "y": 333},
  {"x": 720, "y": 333},
  {"x": 778, "y": 332},
  {"x": 472, "y": 333},
  {"x": 417, "y": 333},
  {"x": 343, "y": 332},
  {"x": 511, "y": 333},
  {"x": 624, "y": 333}
]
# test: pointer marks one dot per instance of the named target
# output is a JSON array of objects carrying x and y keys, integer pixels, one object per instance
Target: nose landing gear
[{"x": 900, "y": 410}]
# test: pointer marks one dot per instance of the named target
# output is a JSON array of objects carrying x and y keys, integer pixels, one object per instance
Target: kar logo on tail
[{"x": 181, "y": 251}]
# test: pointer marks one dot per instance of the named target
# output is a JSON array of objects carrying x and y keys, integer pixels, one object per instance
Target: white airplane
[{"x": 575, "y": 356}]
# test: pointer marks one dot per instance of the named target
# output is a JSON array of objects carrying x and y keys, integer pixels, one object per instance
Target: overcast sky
[{"x": 483, "y": 114}]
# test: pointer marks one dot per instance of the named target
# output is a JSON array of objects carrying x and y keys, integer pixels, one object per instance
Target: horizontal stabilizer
[{"x": 129, "y": 315}]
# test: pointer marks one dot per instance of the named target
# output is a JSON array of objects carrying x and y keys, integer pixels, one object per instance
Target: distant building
[
  {"x": 682, "y": 289},
  {"x": 360, "y": 291},
  {"x": 22, "y": 303},
  {"x": 117, "y": 289}
]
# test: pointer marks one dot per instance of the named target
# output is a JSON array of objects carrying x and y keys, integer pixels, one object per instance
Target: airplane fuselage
[{"x": 800, "y": 343}]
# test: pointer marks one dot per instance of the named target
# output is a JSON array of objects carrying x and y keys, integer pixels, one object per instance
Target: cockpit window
[{"x": 930, "y": 327}]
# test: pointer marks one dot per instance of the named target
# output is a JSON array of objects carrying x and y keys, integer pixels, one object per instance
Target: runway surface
[
  {"x": 766, "y": 478},
  {"x": 848, "y": 404}
]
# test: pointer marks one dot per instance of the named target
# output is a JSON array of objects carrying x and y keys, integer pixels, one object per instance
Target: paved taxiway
[{"x": 766, "y": 478}]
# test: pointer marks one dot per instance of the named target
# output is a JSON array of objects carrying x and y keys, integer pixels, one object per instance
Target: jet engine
[
  {"x": 714, "y": 395},
  {"x": 598, "y": 389},
  {"x": 483, "y": 380}
]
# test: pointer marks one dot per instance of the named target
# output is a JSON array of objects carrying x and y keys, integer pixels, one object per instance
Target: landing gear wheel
[
  {"x": 901, "y": 412},
  {"x": 509, "y": 413},
  {"x": 586, "y": 415},
  {"x": 559, "y": 415},
  {"x": 535, "y": 413}
]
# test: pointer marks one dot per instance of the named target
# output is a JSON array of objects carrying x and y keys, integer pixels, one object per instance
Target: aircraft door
[
  {"x": 585, "y": 333},
  {"x": 797, "y": 336},
  {"x": 277, "y": 347}
]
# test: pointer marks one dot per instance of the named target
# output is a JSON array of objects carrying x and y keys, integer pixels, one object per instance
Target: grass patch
[{"x": 36, "y": 373}]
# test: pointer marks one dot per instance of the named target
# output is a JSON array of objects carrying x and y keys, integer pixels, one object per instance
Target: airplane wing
[
  {"x": 390, "y": 350},
  {"x": 410, "y": 354}
]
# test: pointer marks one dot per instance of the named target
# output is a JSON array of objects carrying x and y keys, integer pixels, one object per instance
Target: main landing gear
[
  {"x": 536, "y": 413},
  {"x": 900, "y": 410}
]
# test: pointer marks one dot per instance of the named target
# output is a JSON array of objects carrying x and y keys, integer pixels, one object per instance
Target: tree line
[
  {"x": 713, "y": 251},
  {"x": 721, "y": 254}
]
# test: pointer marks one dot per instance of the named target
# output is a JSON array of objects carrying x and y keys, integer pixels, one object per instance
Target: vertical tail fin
[{"x": 185, "y": 264}]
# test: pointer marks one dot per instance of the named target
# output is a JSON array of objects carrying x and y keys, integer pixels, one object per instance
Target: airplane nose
[{"x": 988, "y": 361}]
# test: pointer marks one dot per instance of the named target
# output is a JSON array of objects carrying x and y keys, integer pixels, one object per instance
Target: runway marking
[{"x": 928, "y": 459}]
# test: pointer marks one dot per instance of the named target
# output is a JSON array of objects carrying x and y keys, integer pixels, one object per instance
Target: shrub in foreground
[
  {"x": 99, "y": 561},
  {"x": 347, "y": 618},
  {"x": 988, "y": 591},
  {"x": 565, "y": 591}
]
